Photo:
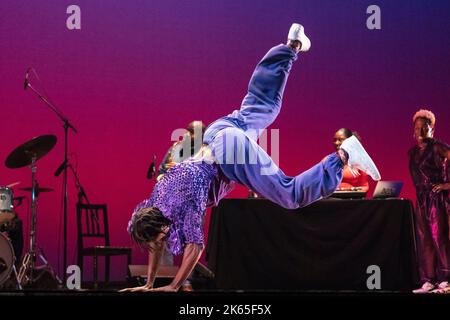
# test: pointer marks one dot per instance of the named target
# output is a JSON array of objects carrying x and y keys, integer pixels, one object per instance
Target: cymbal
[
  {"x": 38, "y": 189},
  {"x": 38, "y": 147}
]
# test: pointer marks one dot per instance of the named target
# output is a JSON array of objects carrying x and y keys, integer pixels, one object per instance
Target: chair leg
[
  {"x": 80, "y": 265},
  {"x": 107, "y": 264},
  {"x": 128, "y": 266},
  {"x": 95, "y": 272}
]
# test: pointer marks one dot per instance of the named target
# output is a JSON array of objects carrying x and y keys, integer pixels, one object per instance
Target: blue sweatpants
[{"x": 233, "y": 140}]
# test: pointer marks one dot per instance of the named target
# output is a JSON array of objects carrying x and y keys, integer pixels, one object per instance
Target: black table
[{"x": 329, "y": 245}]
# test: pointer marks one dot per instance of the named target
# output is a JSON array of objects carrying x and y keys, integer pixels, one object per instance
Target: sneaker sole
[
  {"x": 306, "y": 43},
  {"x": 369, "y": 162}
]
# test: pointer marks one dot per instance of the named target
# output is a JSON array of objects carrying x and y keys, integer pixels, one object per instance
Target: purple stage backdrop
[{"x": 137, "y": 70}]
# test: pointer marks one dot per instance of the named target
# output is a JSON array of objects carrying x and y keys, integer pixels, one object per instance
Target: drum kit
[{"x": 25, "y": 155}]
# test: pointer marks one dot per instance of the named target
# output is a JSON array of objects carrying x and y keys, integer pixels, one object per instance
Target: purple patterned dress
[
  {"x": 182, "y": 196},
  {"x": 432, "y": 215}
]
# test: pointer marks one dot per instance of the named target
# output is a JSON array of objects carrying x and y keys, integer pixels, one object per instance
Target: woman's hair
[
  {"x": 425, "y": 115},
  {"x": 348, "y": 133},
  {"x": 146, "y": 224}
]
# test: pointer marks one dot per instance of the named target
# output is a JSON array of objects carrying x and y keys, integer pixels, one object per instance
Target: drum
[
  {"x": 6, "y": 199},
  {"x": 6, "y": 259}
]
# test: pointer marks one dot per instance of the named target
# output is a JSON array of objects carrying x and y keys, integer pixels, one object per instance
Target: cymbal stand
[{"x": 26, "y": 273}]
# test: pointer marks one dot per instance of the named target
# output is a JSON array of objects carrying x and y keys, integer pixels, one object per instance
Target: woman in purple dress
[
  {"x": 429, "y": 165},
  {"x": 174, "y": 213}
]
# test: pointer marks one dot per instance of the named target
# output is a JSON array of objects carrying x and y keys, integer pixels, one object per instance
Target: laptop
[{"x": 387, "y": 189}]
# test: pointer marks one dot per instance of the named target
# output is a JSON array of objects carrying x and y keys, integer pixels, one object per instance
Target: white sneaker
[
  {"x": 426, "y": 287},
  {"x": 358, "y": 157},
  {"x": 297, "y": 32}
]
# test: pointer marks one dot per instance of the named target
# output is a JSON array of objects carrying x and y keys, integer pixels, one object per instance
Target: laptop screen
[{"x": 388, "y": 189}]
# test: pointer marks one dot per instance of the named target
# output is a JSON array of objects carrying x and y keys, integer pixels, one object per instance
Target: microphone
[
  {"x": 61, "y": 168},
  {"x": 26, "y": 82},
  {"x": 151, "y": 170}
]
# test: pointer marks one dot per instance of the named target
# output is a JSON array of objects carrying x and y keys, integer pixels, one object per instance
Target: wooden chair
[{"x": 92, "y": 222}]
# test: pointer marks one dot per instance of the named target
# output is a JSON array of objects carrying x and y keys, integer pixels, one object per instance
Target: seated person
[{"x": 352, "y": 180}]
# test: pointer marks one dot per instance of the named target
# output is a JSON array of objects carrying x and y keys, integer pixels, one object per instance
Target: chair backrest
[{"x": 92, "y": 222}]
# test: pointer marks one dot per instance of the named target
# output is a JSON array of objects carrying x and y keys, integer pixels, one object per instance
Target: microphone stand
[
  {"x": 66, "y": 127},
  {"x": 81, "y": 193}
]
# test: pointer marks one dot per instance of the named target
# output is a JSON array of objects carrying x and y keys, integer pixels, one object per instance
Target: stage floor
[{"x": 216, "y": 304}]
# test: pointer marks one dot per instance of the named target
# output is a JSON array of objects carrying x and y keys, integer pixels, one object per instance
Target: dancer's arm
[
  {"x": 191, "y": 255},
  {"x": 154, "y": 259}
]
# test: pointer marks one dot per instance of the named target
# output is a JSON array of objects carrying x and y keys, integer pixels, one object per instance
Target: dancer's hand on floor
[
  {"x": 164, "y": 289},
  {"x": 137, "y": 289}
]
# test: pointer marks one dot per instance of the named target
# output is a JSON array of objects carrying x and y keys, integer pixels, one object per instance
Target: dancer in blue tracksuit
[{"x": 174, "y": 212}]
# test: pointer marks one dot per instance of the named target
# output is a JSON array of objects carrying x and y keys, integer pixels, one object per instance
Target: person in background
[
  {"x": 429, "y": 166},
  {"x": 352, "y": 180},
  {"x": 191, "y": 142}
]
